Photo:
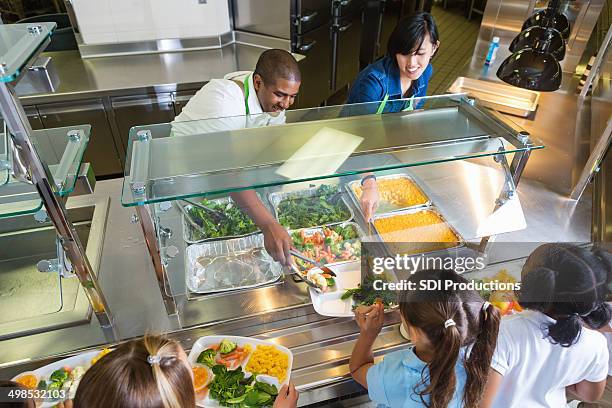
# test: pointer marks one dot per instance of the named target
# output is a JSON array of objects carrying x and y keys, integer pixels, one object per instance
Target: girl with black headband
[{"x": 553, "y": 346}]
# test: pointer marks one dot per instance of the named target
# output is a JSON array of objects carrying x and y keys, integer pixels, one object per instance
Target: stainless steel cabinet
[
  {"x": 130, "y": 111},
  {"x": 346, "y": 40},
  {"x": 101, "y": 151},
  {"x": 269, "y": 17},
  {"x": 316, "y": 67},
  {"x": 306, "y": 15}
]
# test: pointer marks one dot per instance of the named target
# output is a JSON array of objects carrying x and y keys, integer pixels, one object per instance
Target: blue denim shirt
[{"x": 382, "y": 78}]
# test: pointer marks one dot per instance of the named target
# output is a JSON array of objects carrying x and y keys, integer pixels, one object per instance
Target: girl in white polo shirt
[{"x": 547, "y": 350}]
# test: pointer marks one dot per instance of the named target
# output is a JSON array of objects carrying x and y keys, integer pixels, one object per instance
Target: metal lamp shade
[
  {"x": 549, "y": 18},
  {"x": 533, "y": 36},
  {"x": 531, "y": 69}
]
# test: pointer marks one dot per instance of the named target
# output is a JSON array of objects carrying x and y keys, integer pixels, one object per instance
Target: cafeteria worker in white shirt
[{"x": 248, "y": 99}]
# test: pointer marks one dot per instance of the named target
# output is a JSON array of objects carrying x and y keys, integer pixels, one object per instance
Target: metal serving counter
[
  {"x": 321, "y": 345},
  {"x": 141, "y": 74}
]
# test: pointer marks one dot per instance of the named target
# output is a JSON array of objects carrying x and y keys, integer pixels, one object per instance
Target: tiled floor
[{"x": 457, "y": 40}]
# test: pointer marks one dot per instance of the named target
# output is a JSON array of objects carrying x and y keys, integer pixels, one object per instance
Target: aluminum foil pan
[
  {"x": 383, "y": 206},
  {"x": 276, "y": 198},
  {"x": 419, "y": 248},
  {"x": 221, "y": 266},
  {"x": 192, "y": 236}
]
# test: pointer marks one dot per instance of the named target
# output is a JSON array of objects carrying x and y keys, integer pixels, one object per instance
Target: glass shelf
[
  {"x": 61, "y": 149},
  {"x": 211, "y": 157},
  {"x": 18, "y": 44}
]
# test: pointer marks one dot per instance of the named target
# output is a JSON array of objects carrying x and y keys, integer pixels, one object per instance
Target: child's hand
[
  {"x": 370, "y": 319},
  {"x": 287, "y": 397}
]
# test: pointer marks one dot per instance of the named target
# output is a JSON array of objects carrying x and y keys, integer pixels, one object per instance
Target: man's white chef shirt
[{"x": 222, "y": 103}]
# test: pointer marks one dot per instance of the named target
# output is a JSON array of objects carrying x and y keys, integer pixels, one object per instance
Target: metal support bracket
[{"x": 28, "y": 166}]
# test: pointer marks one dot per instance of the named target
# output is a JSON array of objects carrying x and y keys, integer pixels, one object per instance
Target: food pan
[
  {"x": 420, "y": 248},
  {"x": 221, "y": 266},
  {"x": 312, "y": 231},
  {"x": 498, "y": 96},
  {"x": 385, "y": 207},
  {"x": 276, "y": 198},
  {"x": 190, "y": 234}
]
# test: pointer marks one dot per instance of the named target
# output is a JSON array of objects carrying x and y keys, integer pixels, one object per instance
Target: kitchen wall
[{"x": 120, "y": 21}]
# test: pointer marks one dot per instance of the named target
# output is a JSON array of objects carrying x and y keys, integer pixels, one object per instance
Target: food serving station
[{"x": 167, "y": 249}]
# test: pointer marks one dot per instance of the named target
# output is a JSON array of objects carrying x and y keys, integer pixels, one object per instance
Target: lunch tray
[
  {"x": 387, "y": 207},
  {"x": 203, "y": 343},
  {"x": 498, "y": 96},
  {"x": 221, "y": 266}
]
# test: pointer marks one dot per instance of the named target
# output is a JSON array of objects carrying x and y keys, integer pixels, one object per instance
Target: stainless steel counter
[
  {"x": 321, "y": 345},
  {"x": 140, "y": 74}
]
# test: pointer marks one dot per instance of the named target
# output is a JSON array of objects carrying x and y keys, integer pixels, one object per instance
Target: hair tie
[
  {"x": 485, "y": 306},
  {"x": 154, "y": 359},
  {"x": 449, "y": 323}
]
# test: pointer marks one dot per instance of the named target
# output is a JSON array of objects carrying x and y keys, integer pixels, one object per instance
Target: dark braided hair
[{"x": 569, "y": 284}]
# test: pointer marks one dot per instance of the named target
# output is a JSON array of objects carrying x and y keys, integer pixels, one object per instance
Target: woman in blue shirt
[{"x": 405, "y": 71}]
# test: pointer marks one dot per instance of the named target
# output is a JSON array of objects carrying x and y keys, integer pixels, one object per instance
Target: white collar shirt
[{"x": 220, "y": 106}]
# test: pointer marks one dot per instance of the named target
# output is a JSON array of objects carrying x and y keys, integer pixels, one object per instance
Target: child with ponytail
[
  {"x": 553, "y": 347},
  {"x": 453, "y": 335}
]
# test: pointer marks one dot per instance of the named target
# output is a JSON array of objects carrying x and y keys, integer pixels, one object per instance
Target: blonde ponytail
[{"x": 163, "y": 354}]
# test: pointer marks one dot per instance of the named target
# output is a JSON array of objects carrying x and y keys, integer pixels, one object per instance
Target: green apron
[
  {"x": 246, "y": 94},
  {"x": 382, "y": 105}
]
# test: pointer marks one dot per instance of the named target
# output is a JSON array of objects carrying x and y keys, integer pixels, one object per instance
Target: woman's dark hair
[
  {"x": 126, "y": 378},
  {"x": 476, "y": 324},
  {"x": 569, "y": 284},
  {"x": 410, "y": 32}
]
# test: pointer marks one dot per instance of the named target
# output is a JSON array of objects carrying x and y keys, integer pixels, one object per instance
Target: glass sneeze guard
[
  {"x": 18, "y": 44},
  {"x": 217, "y": 156},
  {"x": 62, "y": 149}
]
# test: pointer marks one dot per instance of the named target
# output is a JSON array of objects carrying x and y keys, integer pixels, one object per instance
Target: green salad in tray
[
  {"x": 233, "y": 388},
  {"x": 234, "y": 222},
  {"x": 366, "y": 295},
  {"x": 323, "y": 207}
]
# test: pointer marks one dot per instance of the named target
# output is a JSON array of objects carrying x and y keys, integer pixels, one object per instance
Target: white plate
[
  {"x": 204, "y": 342},
  {"x": 348, "y": 276},
  {"x": 43, "y": 373}
]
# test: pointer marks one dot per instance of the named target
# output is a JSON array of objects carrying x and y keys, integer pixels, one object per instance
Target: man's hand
[
  {"x": 370, "y": 320},
  {"x": 287, "y": 397},
  {"x": 369, "y": 198},
  {"x": 277, "y": 242}
]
